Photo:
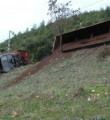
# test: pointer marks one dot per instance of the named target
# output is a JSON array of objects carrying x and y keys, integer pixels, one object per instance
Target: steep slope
[
  {"x": 54, "y": 58},
  {"x": 78, "y": 87}
]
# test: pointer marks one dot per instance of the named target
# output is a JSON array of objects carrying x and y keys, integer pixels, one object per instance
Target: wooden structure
[{"x": 91, "y": 36}]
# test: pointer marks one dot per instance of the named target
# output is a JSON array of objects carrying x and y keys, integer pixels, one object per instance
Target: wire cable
[{"x": 92, "y": 4}]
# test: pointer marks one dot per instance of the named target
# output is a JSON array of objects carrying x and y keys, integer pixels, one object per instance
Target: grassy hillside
[
  {"x": 39, "y": 41},
  {"x": 78, "y": 87}
]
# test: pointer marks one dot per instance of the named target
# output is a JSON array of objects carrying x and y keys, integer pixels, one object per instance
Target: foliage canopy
[{"x": 39, "y": 40}]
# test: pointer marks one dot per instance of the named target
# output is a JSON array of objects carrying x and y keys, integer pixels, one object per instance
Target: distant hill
[{"x": 39, "y": 41}]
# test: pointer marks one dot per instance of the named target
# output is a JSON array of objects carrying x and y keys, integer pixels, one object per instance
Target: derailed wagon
[
  {"x": 22, "y": 55},
  {"x": 88, "y": 37},
  {"x": 13, "y": 59},
  {"x": 8, "y": 62}
]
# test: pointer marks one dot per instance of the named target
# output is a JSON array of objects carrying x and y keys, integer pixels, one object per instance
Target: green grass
[
  {"x": 78, "y": 87},
  {"x": 6, "y": 78}
]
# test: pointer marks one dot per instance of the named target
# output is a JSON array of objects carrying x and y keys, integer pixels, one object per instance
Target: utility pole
[{"x": 10, "y": 32}]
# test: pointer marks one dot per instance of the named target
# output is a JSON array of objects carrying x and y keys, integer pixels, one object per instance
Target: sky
[{"x": 18, "y": 15}]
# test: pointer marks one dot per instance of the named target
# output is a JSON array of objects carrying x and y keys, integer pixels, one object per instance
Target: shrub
[
  {"x": 79, "y": 92},
  {"x": 105, "y": 52}
]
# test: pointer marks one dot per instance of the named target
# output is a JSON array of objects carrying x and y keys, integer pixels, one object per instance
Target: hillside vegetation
[
  {"x": 76, "y": 88},
  {"x": 64, "y": 89},
  {"x": 39, "y": 41}
]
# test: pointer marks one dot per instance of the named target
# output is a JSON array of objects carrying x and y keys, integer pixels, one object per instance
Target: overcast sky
[{"x": 17, "y": 15}]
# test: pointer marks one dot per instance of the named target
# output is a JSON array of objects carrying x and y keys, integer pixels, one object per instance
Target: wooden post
[
  {"x": 109, "y": 29},
  {"x": 61, "y": 43},
  {"x": 91, "y": 35},
  {"x": 76, "y": 38},
  {"x": 54, "y": 44}
]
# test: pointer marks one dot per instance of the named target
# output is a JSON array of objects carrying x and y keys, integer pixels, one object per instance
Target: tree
[
  {"x": 59, "y": 14},
  {"x": 27, "y": 30},
  {"x": 107, "y": 12},
  {"x": 34, "y": 27}
]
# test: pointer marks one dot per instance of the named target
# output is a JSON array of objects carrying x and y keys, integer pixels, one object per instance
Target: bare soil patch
[
  {"x": 54, "y": 58},
  {"x": 58, "y": 56}
]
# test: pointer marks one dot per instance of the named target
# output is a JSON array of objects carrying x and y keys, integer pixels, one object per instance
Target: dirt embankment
[{"x": 57, "y": 56}]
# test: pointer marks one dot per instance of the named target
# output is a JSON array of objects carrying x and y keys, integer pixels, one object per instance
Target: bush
[
  {"x": 105, "y": 52},
  {"x": 79, "y": 92}
]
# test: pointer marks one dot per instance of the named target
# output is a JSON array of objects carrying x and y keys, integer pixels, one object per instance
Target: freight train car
[
  {"x": 88, "y": 37},
  {"x": 8, "y": 62},
  {"x": 23, "y": 56},
  {"x": 16, "y": 58}
]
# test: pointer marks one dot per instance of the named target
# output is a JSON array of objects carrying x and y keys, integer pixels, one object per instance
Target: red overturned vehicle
[
  {"x": 22, "y": 55},
  {"x": 13, "y": 59}
]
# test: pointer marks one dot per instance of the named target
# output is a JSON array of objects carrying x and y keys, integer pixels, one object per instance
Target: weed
[
  {"x": 105, "y": 52},
  {"x": 79, "y": 92}
]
